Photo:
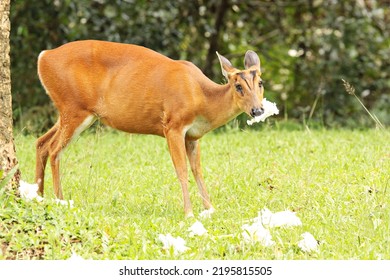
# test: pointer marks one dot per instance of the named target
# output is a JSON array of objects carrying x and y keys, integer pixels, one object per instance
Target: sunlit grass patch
[{"x": 126, "y": 194}]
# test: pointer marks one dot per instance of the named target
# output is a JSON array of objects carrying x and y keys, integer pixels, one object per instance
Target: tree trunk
[
  {"x": 222, "y": 10},
  {"x": 9, "y": 174}
]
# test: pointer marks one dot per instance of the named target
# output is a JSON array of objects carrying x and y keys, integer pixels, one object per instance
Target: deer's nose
[{"x": 255, "y": 112}]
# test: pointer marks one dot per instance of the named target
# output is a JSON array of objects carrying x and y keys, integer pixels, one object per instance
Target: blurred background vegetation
[{"x": 306, "y": 47}]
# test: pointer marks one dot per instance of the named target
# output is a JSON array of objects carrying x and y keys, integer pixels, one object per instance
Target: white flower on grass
[
  {"x": 29, "y": 191},
  {"x": 269, "y": 110},
  {"x": 207, "y": 213},
  {"x": 308, "y": 243},
  {"x": 278, "y": 219},
  {"x": 256, "y": 232},
  {"x": 69, "y": 203},
  {"x": 75, "y": 257},
  {"x": 197, "y": 229},
  {"x": 168, "y": 241}
]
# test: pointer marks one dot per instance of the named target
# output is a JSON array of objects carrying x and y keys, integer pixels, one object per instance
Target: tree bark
[{"x": 8, "y": 161}]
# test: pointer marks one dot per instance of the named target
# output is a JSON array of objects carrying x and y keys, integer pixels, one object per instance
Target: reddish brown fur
[{"x": 137, "y": 90}]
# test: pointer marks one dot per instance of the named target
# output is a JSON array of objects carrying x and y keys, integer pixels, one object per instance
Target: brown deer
[{"x": 137, "y": 90}]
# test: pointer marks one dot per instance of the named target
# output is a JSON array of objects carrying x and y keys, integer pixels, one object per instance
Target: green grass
[{"x": 126, "y": 193}]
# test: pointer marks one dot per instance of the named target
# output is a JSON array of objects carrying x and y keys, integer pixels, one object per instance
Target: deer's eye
[
  {"x": 261, "y": 84},
  {"x": 239, "y": 88}
]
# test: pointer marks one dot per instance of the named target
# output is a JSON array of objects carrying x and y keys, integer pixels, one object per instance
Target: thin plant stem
[{"x": 351, "y": 91}]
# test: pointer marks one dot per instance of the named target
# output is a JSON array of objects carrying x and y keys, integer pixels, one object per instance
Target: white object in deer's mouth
[{"x": 269, "y": 110}]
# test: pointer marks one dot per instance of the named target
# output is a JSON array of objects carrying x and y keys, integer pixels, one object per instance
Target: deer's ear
[
  {"x": 252, "y": 60},
  {"x": 226, "y": 66}
]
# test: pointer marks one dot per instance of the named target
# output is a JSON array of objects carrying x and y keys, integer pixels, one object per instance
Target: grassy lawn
[{"x": 126, "y": 193}]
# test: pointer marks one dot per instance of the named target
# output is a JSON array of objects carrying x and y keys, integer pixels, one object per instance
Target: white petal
[
  {"x": 29, "y": 191},
  {"x": 65, "y": 202},
  {"x": 264, "y": 216},
  {"x": 308, "y": 243},
  {"x": 197, "y": 229},
  {"x": 75, "y": 257},
  {"x": 169, "y": 241},
  {"x": 256, "y": 232},
  {"x": 207, "y": 213},
  {"x": 279, "y": 219}
]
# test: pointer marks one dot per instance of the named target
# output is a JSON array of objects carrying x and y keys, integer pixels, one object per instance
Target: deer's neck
[{"x": 219, "y": 106}]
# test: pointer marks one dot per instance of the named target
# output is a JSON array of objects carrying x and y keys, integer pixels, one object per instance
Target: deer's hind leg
[
  {"x": 42, "y": 154},
  {"x": 69, "y": 126}
]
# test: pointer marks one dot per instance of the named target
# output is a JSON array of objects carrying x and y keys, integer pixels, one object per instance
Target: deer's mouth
[{"x": 269, "y": 109}]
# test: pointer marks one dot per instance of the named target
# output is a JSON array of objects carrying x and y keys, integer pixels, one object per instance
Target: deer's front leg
[
  {"x": 176, "y": 145},
  {"x": 193, "y": 154}
]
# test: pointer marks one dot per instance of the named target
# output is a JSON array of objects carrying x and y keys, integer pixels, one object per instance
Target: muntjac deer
[{"x": 137, "y": 90}]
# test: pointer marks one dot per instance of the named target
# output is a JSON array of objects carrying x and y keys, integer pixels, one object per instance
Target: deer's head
[{"x": 246, "y": 85}]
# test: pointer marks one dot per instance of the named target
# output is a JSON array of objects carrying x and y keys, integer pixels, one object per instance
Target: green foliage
[
  {"x": 126, "y": 193},
  {"x": 306, "y": 47}
]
